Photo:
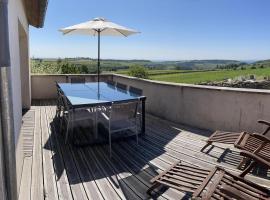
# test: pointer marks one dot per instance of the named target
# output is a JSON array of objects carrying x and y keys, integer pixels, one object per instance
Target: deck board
[
  {"x": 63, "y": 171},
  {"x": 67, "y": 164},
  {"x": 50, "y": 188},
  {"x": 37, "y": 186}
]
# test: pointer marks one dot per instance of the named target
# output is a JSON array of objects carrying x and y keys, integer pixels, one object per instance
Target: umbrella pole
[{"x": 98, "y": 54}]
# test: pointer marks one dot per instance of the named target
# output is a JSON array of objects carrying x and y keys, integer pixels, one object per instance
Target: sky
[{"x": 170, "y": 29}]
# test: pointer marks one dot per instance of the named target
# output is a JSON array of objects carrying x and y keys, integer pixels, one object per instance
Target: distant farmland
[
  {"x": 193, "y": 72},
  {"x": 205, "y": 76}
]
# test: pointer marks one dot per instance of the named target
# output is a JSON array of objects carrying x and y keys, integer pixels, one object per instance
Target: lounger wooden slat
[
  {"x": 243, "y": 188},
  {"x": 189, "y": 172},
  {"x": 220, "y": 194},
  {"x": 192, "y": 170},
  {"x": 160, "y": 175},
  {"x": 212, "y": 187},
  {"x": 187, "y": 176},
  {"x": 235, "y": 194},
  {"x": 191, "y": 167},
  {"x": 177, "y": 181},
  {"x": 226, "y": 135},
  {"x": 181, "y": 188},
  {"x": 184, "y": 179}
]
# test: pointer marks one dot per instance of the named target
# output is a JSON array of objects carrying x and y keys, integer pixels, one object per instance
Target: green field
[
  {"x": 194, "y": 72},
  {"x": 154, "y": 72},
  {"x": 198, "y": 77}
]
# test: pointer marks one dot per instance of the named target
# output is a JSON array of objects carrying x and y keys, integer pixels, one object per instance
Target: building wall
[
  {"x": 17, "y": 23},
  {"x": 24, "y": 68}
]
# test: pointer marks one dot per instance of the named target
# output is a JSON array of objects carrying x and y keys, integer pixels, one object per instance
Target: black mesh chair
[
  {"x": 110, "y": 82},
  {"x": 135, "y": 90},
  {"x": 77, "y": 79},
  {"x": 121, "y": 86}
]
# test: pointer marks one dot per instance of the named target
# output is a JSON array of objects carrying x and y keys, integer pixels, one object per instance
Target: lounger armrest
[
  {"x": 261, "y": 137},
  {"x": 256, "y": 158},
  {"x": 264, "y": 122}
]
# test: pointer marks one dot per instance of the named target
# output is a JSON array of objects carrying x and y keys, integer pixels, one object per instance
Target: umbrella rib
[
  {"x": 69, "y": 31},
  {"x": 120, "y": 32},
  {"x": 98, "y": 30}
]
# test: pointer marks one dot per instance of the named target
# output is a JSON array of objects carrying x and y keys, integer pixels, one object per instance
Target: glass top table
[{"x": 93, "y": 94}]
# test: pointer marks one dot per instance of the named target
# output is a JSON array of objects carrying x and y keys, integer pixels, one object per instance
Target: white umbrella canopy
[
  {"x": 98, "y": 24},
  {"x": 98, "y": 27}
]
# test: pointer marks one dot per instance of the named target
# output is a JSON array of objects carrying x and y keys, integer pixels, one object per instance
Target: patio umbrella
[{"x": 98, "y": 27}]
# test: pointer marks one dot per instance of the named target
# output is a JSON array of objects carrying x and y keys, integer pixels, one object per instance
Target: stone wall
[{"x": 263, "y": 84}]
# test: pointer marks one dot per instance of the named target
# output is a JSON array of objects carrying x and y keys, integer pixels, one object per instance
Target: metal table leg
[
  {"x": 143, "y": 117},
  {"x": 95, "y": 123}
]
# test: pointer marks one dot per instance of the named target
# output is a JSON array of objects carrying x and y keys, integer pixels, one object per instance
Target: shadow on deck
[{"x": 64, "y": 171}]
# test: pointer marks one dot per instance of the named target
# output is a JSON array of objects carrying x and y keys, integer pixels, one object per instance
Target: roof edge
[{"x": 35, "y": 11}]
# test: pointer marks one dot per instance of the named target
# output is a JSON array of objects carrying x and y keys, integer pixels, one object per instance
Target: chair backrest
[
  {"x": 255, "y": 144},
  {"x": 59, "y": 92},
  {"x": 77, "y": 79},
  {"x": 121, "y": 86},
  {"x": 111, "y": 82},
  {"x": 135, "y": 90},
  {"x": 124, "y": 111},
  {"x": 64, "y": 101}
]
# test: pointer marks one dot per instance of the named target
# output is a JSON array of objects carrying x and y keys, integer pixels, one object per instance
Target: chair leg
[
  {"x": 248, "y": 169},
  {"x": 56, "y": 113},
  {"x": 205, "y": 146},
  {"x": 96, "y": 124},
  {"x": 57, "y": 108},
  {"x": 243, "y": 161},
  {"x": 67, "y": 132},
  {"x": 61, "y": 124},
  {"x": 137, "y": 138},
  {"x": 110, "y": 143}
]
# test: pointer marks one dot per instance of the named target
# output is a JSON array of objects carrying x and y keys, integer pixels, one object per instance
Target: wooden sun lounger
[
  {"x": 226, "y": 137},
  {"x": 251, "y": 142},
  {"x": 206, "y": 184}
]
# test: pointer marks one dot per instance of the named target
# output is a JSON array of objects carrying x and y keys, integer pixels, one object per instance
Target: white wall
[
  {"x": 17, "y": 18},
  {"x": 206, "y": 107}
]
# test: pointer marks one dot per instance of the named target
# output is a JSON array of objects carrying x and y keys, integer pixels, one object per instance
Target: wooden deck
[{"x": 53, "y": 170}]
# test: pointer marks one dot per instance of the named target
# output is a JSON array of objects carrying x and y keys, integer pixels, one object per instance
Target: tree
[
  {"x": 243, "y": 68},
  {"x": 84, "y": 69},
  {"x": 67, "y": 68},
  {"x": 138, "y": 71},
  {"x": 59, "y": 60}
]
